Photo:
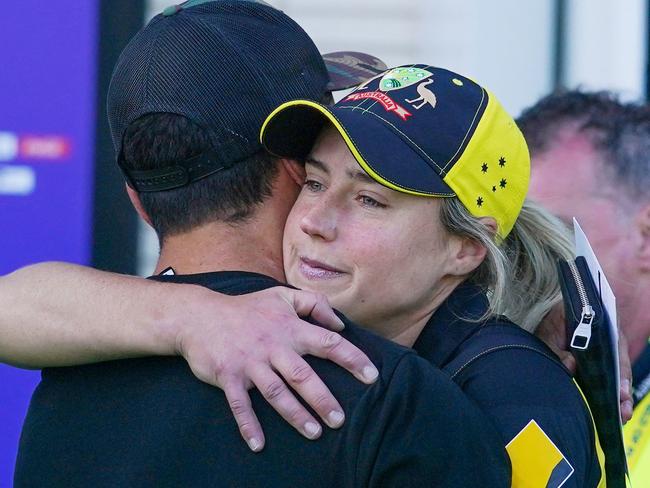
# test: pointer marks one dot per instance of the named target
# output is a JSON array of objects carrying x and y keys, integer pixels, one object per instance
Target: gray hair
[
  {"x": 630, "y": 162},
  {"x": 519, "y": 274},
  {"x": 620, "y": 133}
]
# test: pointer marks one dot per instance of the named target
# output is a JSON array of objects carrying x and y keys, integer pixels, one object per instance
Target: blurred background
[{"x": 61, "y": 195}]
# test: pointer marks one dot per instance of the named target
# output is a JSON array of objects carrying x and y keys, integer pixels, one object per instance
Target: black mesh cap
[{"x": 223, "y": 64}]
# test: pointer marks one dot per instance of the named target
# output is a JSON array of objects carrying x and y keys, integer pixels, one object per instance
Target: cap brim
[
  {"x": 291, "y": 131},
  {"x": 348, "y": 69}
]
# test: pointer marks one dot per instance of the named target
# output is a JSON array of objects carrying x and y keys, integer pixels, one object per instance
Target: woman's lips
[{"x": 315, "y": 270}]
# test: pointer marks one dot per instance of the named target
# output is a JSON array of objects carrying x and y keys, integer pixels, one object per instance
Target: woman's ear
[
  {"x": 295, "y": 169},
  {"x": 468, "y": 254},
  {"x": 137, "y": 204}
]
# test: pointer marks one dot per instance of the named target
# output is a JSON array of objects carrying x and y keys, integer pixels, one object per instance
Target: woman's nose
[{"x": 320, "y": 221}]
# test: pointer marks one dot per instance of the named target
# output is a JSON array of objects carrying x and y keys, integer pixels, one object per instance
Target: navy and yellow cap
[{"x": 420, "y": 130}]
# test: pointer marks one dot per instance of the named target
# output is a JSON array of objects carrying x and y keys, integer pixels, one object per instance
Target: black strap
[
  {"x": 176, "y": 176},
  {"x": 492, "y": 339}
]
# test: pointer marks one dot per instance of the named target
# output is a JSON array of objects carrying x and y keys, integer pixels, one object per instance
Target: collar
[
  {"x": 227, "y": 282},
  {"x": 454, "y": 321}
]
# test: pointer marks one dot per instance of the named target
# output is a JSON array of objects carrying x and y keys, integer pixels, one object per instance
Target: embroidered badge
[
  {"x": 402, "y": 77},
  {"x": 386, "y": 102},
  {"x": 395, "y": 79}
]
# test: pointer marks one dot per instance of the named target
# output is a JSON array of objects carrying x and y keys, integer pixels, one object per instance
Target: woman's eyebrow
[
  {"x": 361, "y": 176},
  {"x": 355, "y": 175},
  {"x": 318, "y": 164}
]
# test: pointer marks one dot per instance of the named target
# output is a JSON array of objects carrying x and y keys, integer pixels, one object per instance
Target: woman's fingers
[
  {"x": 625, "y": 367},
  {"x": 240, "y": 405},
  {"x": 314, "y": 305},
  {"x": 276, "y": 392},
  {"x": 314, "y": 340},
  {"x": 626, "y": 401},
  {"x": 302, "y": 378},
  {"x": 258, "y": 333}
]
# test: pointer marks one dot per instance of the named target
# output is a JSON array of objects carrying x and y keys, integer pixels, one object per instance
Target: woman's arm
[{"x": 57, "y": 314}]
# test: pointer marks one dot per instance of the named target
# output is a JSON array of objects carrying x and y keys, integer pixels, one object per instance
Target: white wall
[
  {"x": 607, "y": 45},
  {"x": 506, "y": 45}
]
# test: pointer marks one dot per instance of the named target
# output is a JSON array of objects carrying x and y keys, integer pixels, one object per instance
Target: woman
[
  {"x": 416, "y": 269},
  {"x": 410, "y": 215}
]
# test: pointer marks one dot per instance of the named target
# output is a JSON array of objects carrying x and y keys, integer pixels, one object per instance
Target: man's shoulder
[{"x": 380, "y": 350}]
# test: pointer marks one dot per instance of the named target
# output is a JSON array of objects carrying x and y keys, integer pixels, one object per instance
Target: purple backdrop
[{"x": 47, "y": 123}]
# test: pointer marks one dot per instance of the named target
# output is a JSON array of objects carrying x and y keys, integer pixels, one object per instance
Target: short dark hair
[
  {"x": 630, "y": 165},
  {"x": 160, "y": 139},
  {"x": 620, "y": 132},
  {"x": 595, "y": 113}
]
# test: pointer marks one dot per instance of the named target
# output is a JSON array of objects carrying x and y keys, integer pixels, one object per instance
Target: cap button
[{"x": 174, "y": 9}]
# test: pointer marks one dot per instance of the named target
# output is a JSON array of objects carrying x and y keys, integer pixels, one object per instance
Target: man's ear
[
  {"x": 137, "y": 204},
  {"x": 642, "y": 222},
  {"x": 295, "y": 169},
  {"x": 468, "y": 254}
]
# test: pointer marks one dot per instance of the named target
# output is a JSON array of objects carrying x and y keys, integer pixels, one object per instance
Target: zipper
[{"x": 582, "y": 334}]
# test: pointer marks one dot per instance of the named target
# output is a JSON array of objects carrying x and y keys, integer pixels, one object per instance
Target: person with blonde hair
[{"x": 413, "y": 219}]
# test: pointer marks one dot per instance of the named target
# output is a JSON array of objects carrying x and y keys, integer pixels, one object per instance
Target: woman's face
[{"x": 381, "y": 256}]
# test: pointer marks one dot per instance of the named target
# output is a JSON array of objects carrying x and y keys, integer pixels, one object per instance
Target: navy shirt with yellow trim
[
  {"x": 150, "y": 422},
  {"x": 529, "y": 396}
]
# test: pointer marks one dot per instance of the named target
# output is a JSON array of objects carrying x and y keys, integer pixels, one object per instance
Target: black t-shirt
[{"x": 150, "y": 422}]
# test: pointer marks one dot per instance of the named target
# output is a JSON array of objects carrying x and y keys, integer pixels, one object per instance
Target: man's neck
[{"x": 254, "y": 246}]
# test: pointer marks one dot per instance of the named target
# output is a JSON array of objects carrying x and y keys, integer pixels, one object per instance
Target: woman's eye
[
  {"x": 312, "y": 185},
  {"x": 370, "y": 202}
]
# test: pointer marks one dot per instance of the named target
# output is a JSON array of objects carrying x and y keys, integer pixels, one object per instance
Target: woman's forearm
[{"x": 57, "y": 314}]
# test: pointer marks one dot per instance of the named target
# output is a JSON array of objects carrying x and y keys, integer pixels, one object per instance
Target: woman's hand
[{"x": 237, "y": 342}]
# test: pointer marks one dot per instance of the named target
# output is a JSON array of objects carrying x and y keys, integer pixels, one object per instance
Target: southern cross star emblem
[
  {"x": 502, "y": 161},
  {"x": 484, "y": 168},
  {"x": 479, "y": 201},
  {"x": 502, "y": 183}
]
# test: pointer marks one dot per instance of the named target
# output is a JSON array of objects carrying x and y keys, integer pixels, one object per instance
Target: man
[
  {"x": 591, "y": 160},
  {"x": 186, "y": 101}
]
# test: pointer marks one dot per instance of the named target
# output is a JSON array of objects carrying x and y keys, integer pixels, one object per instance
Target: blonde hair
[{"x": 518, "y": 273}]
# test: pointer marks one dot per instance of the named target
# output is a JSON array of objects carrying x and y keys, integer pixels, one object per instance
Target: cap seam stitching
[
  {"x": 387, "y": 179},
  {"x": 466, "y": 132},
  {"x": 234, "y": 48},
  {"x": 402, "y": 133},
  {"x": 153, "y": 59}
]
